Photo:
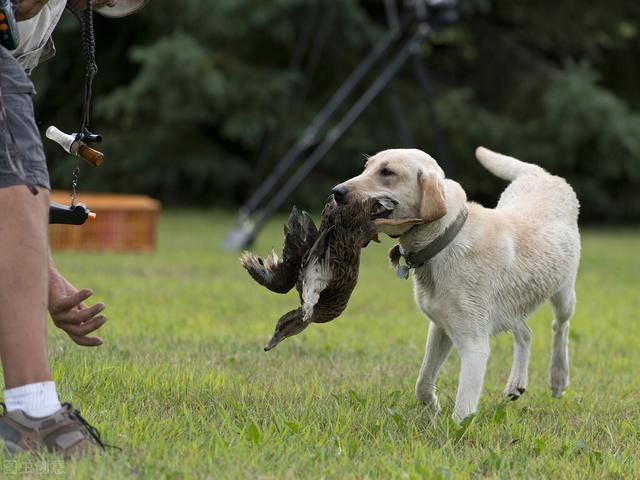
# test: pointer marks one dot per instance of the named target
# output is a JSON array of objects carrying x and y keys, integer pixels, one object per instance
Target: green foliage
[
  {"x": 579, "y": 131},
  {"x": 183, "y": 387},
  {"x": 187, "y": 100}
]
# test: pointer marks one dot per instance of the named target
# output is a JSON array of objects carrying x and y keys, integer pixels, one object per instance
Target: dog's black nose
[{"x": 340, "y": 194}]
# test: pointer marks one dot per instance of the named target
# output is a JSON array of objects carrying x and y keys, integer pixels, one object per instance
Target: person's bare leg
[
  {"x": 33, "y": 418},
  {"x": 24, "y": 254}
]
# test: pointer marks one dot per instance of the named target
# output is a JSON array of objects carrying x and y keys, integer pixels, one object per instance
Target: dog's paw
[
  {"x": 515, "y": 388},
  {"x": 558, "y": 388},
  {"x": 558, "y": 381},
  {"x": 513, "y": 396},
  {"x": 430, "y": 402},
  {"x": 433, "y": 408}
]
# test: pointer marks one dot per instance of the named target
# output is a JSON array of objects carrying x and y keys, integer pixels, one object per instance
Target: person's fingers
[
  {"x": 73, "y": 300},
  {"x": 86, "y": 327},
  {"x": 80, "y": 306},
  {"x": 87, "y": 341},
  {"x": 74, "y": 317}
]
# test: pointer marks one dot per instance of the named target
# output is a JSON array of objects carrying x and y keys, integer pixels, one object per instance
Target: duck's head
[{"x": 290, "y": 324}]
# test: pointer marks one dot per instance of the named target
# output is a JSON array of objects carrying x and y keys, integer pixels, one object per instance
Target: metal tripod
[{"x": 399, "y": 44}]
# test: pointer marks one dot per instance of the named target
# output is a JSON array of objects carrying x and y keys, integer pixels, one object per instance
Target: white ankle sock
[{"x": 36, "y": 399}]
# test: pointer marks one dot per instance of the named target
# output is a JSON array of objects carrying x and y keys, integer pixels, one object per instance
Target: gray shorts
[{"x": 17, "y": 96}]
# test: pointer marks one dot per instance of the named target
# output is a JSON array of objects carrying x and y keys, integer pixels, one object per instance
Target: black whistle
[
  {"x": 88, "y": 137},
  {"x": 66, "y": 215}
]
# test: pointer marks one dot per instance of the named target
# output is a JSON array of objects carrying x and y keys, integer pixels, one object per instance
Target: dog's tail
[{"x": 502, "y": 166}]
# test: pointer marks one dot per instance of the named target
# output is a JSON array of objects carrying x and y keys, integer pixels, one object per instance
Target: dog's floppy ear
[{"x": 432, "y": 204}]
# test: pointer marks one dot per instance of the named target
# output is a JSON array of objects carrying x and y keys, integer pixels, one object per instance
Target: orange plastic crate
[{"x": 124, "y": 223}]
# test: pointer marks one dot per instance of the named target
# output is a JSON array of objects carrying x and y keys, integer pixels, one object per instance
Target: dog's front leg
[
  {"x": 473, "y": 364},
  {"x": 438, "y": 348}
]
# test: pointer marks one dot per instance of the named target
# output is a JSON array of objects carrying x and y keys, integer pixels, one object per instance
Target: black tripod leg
[
  {"x": 309, "y": 135},
  {"x": 243, "y": 232},
  {"x": 338, "y": 131}
]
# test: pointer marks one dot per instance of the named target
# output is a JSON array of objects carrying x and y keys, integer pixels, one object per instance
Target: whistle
[
  {"x": 75, "y": 147},
  {"x": 74, "y": 215}
]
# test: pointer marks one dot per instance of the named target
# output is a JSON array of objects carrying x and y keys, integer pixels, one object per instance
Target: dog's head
[{"x": 407, "y": 184}]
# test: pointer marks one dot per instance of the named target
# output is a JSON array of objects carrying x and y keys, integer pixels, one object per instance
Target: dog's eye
[{"x": 385, "y": 172}]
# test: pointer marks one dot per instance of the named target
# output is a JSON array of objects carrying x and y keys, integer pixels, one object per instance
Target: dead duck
[{"x": 322, "y": 264}]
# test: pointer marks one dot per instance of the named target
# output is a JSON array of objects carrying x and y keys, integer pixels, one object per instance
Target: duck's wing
[
  {"x": 279, "y": 274},
  {"x": 315, "y": 273}
]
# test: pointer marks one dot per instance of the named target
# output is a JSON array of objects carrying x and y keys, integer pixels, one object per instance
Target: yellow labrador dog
[{"x": 478, "y": 271}]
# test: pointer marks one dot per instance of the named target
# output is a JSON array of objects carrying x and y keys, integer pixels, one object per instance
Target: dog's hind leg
[
  {"x": 563, "y": 304},
  {"x": 519, "y": 376},
  {"x": 438, "y": 348}
]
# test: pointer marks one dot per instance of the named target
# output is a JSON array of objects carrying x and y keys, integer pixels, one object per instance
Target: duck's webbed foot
[{"x": 267, "y": 272}]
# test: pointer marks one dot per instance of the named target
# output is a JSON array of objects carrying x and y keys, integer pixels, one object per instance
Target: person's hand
[
  {"x": 70, "y": 313},
  {"x": 29, "y": 8},
  {"x": 82, "y": 4}
]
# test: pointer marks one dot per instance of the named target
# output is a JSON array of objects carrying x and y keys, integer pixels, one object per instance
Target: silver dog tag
[{"x": 403, "y": 272}]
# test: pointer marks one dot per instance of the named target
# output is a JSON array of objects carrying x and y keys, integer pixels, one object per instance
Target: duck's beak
[{"x": 275, "y": 340}]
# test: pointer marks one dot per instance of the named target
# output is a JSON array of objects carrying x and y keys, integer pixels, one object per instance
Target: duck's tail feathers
[{"x": 503, "y": 166}]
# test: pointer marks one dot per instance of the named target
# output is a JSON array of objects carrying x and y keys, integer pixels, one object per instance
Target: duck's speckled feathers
[
  {"x": 280, "y": 274},
  {"x": 322, "y": 264},
  {"x": 349, "y": 229}
]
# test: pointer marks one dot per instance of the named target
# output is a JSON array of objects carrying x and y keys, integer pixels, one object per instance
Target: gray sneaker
[{"x": 65, "y": 432}]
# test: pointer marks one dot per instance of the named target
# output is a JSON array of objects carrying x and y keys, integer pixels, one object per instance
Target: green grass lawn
[{"x": 183, "y": 386}]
